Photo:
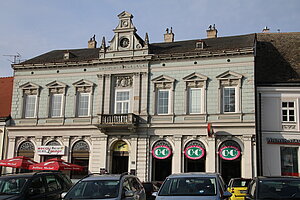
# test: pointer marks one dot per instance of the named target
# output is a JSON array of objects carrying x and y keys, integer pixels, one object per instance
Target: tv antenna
[{"x": 16, "y": 58}]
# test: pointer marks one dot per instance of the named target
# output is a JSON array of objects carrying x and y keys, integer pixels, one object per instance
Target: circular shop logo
[
  {"x": 161, "y": 152},
  {"x": 229, "y": 153},
  {"x": 194, "y": 152}
]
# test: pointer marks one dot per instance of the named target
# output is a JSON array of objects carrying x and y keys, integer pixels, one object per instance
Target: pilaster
[
  {"x": 211, "y": 155},
  {"x": 177, "y": 157}
]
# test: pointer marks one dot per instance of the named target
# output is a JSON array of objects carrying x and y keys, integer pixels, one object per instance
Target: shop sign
[
  {"x": 229, "y": 153},
  {"x": 51, "y": 150},
  {"x": 161, "y": 152},
  {"x": 194, "y": 152},
  {"x": 283, "y": 141}
]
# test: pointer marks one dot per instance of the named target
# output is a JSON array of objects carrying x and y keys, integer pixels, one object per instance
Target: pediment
[
  {"x": 125, "y": 14},
  {"x": 195, "y": 77},
  {"x": 56, "y": 84},
  {"x": 29, "y": 85},
  {"x": 230, "y": 75},
  {"x": 163, "y": 78},
  {"x": 83, "y": 83}
]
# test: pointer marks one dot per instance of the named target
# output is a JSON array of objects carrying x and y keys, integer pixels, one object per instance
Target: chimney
[
  {"x": 266, "y": 30},
  {"x": 212, "y": 31},
  {"x": 92, "y": 43},
  {"x": 169, "y": 37}
]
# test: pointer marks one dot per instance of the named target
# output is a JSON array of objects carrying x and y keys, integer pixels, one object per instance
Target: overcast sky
[{"x": 34, "y": 27}]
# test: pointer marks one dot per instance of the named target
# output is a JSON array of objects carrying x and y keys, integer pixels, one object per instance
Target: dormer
[{"x": 126, "y": 42}]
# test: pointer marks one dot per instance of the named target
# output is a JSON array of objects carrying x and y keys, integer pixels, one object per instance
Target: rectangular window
[
  {"x": 289, "y": 161},
  {"x": 288, "y": 111},
  {"x": 122, "y": 102},
  {"x": 30, "y": 106},
  {"x": 229, "y": 96},
  {"x": 194, "y": 100},
  {"x": 83, "y": 104},
  {"x": 163, "y": 102},
  {"x": 56, "y": 105}
]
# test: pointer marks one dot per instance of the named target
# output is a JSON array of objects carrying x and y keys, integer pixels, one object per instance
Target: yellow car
[{"x": 238, "y": 188}]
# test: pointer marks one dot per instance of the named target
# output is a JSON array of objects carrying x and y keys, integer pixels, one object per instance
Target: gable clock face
[
  {"x": 124, "y": 42},
  {"x": 124, "y": 23}
]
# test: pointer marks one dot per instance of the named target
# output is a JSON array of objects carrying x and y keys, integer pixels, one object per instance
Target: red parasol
[
  {"x": 17, "y": 162},
  {"x": 56, "y": 164}
]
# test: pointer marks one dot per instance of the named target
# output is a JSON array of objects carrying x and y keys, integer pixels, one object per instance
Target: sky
[{"x": 33, "y": 27}]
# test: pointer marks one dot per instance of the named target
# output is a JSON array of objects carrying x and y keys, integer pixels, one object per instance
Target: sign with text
[
  {"x": 194, "y": 152},
  {"x": 51, "y": 150},
  {"x": 229, "y": 153},
  {"x": 161, "y": 152}
]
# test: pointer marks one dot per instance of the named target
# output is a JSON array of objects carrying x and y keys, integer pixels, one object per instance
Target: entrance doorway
[
  {"x": 194, "y": 157},
  {"x": 230, "y": 160},
  {"x": 194, "y": 165},
  {"x": 25, "y": 149},
  {"x": 120, "y": 157},
  {"x": 80, "y": 156}
]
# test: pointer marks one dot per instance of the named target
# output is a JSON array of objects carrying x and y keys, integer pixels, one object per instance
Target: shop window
[
  {"x": 31, "y": 93},
  {"x": 163, "y": 94},
  {"x": 84, "y": 93},
  {"x": 57, "y": 91},
  {"x": 230, "y": 84},
  {"x": 289, "y": 161},
  {"x": 288, "y": 111},
  {"x": 195, "y": 93}
]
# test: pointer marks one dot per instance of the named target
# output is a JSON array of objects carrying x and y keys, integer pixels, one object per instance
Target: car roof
[
  {"x": 193, "y": 174},
  {"x": 27, "y": 175},
  {"x": 278, "y": 177},
  {"x": 93, "y": 177}
]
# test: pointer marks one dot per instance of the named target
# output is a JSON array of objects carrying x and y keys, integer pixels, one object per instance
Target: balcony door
[{"x": 122, "y": 101}]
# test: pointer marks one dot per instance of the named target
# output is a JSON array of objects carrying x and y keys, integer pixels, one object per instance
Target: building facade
[
  {"x": 149, "y": 108},
  {"x": 278, "y": 98}
]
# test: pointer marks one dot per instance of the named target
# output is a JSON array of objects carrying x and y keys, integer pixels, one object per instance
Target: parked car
[
  {"x": 106, "y": 186},
  {"x": 274, "y": 188},
  {"x": 34, "y": 186},
  {"x": 192, "y": 186},
  {"x": 150, "y": 188},
  {"x": 238, "y": 188}
]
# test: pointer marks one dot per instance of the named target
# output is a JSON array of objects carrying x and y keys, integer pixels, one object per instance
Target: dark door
[
  {"x": 161, "y": 168},
  {"x": 119, "y": 162},
  {"x": 191, "y": 165},
  {"x": 230, "y": 169}
]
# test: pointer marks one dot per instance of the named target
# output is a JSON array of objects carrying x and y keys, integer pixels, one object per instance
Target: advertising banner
[{"x": 51, "y": 150}]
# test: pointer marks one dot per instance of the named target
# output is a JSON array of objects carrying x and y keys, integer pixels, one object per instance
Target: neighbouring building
[
  {"x": 149, "y": 108},
  {"x": 6, "y": 88},
  {"x": 278, "y": 101}
]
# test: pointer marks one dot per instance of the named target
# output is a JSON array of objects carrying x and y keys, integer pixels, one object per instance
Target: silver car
[
  {"x": 190, "y": 186},
  {"x": 109, "y": 187}
]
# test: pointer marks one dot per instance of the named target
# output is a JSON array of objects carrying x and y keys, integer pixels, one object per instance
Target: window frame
[
  {"x": 83, "y": 86},
  {"x": 129, "y": 101},
  {"x": 52, "y": 107},
  {"x": 26, "y": 105},
  {"x": 190, "y": 100},
  {"x": 157, "y": 102},
  {"x": 235, "y": 99},
  {"x": 78, "y": 103},
  {"x": 288, "y": 109}
]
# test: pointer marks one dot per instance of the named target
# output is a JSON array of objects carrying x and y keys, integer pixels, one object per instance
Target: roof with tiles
[
  {"x": 278, "y": 58},
  {"x": 212, "y": 45},
  {"x": 6, "y": 89}
]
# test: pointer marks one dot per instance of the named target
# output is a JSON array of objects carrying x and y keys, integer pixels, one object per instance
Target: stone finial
[
  {"x": 146, "y": 39},
  {"x": 103, "y": 45}
]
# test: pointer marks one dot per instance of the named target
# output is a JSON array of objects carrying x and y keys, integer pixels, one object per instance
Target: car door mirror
[
  {"x": 33, "y": 191},
  {"x": 63, "y": 195},
  {"x": 154, "y": 194},
  {"x": 226, "y": 194},
  {"x": 129, "y": 193}
]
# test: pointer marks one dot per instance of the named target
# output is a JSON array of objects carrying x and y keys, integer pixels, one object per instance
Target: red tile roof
[{"x": 6, "y": 89}]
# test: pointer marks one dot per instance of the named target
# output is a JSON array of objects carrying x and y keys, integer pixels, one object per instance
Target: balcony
[{"x": 114, "y": 122}]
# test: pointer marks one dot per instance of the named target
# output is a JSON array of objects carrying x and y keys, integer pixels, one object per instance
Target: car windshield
[
  {"x": 279, "y": 189},
  {"x": 241, "y": 183},
  {"x": 12, "y": 185},
  {"x": 189, "y": 186},
  {"x": 95, "y": 189}
]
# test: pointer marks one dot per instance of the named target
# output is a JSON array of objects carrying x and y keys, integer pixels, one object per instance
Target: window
[
  {"x": 288, "y": 111},
  {"x": 52, "y": 183},
  {"x": 195, "y": 100},
  {"x": 122, "y": 102},
  {"x": 289, "y": 161},
  {"x": 229, "y": 102},
  {"x": 30, "y": 106},
  {"x": 37, "y": 187},
  {"x": 83, "y": 104},
  {"x": 56, "y": 105},
  {"x": 163, "y": 102}
]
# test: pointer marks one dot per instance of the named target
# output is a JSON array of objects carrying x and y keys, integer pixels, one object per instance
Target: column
[
  {"x": 136, "y": 93},
  {"x": 38, "y": 142},
  {"x": 10, "y": 152},
  {"x": 133, "y": 153},
  {"x": 247, "y": 157},
  {"x": 177, "y": 157},
  {"x": 100, "y": 96},
  {"x": 68, "y": 148},
  {"x": 211, "y": 155},
  {"x": 98, "y": 154},
  {"x": 107, "y": 94},
  {"x": 142, "y": 162},
  {"x": 144, "y": 93}
]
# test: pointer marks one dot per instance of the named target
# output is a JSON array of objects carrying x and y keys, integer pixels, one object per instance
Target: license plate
[{"x": 243, "y": 191}]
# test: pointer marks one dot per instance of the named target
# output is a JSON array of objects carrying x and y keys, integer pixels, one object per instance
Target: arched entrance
[
  {"x": 161, "y": 160},
  {"x": 25, "y": 149},
  {"x": 194, "y": 157},
  {"x": 230, "y": 160},
  {"x": 80, "y": 156},
  {"x": 120, "y": 157},
  {"x": 52, "y": 143}
]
